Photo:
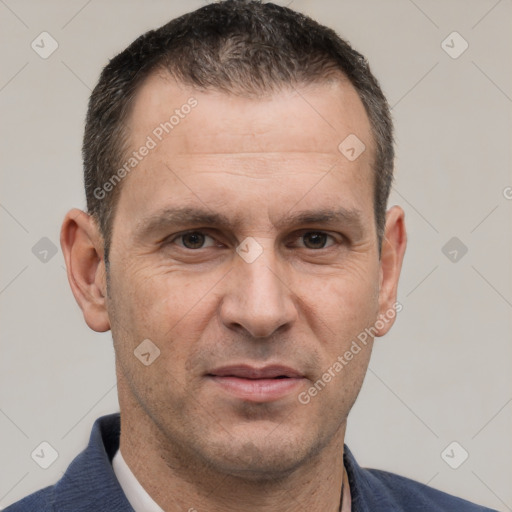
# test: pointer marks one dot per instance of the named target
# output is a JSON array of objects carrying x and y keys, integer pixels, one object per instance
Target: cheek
[
  {"x": 348, "y": 302},
  {"x": 346, "y": 308},
  {"x": 160, "y": 305},
  {"x": 169, "y": 312}
]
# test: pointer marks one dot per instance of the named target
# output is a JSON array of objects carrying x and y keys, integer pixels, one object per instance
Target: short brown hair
[{"x": 239, "y": 47}]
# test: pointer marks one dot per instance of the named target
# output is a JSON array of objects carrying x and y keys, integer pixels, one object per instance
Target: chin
[
  {"x": 258, "y": 466},
  {"x": 262, "y": 457}
]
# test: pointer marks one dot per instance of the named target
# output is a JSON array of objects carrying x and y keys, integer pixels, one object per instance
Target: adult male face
[{"x": 240, "y": 338}]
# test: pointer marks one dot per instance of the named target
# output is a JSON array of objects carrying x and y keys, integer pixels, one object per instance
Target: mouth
[{"x": 266, "y": 384}]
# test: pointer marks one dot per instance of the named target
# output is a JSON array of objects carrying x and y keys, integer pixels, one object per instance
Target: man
[{"x": 238, "y": 162}]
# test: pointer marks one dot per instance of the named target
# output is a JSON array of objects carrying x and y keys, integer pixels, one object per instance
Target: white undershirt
[{"x": 138, "y": 497}]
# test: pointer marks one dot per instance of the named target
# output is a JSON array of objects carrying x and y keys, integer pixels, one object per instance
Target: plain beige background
[{"x": 441, "y": 375}]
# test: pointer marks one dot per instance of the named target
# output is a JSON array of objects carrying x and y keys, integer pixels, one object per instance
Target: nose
[{"x": 258, "y": 299}]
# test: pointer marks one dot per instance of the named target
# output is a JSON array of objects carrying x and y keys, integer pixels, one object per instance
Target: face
[{"x": 244, "y": 248}]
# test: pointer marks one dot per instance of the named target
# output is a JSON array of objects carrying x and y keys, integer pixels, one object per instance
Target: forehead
[
  {"x": 317, "y": 117},
  {"x": 228, "y": 151}
]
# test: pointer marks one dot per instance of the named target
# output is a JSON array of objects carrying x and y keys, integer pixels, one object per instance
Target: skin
[{"x": 301, "y": 303}]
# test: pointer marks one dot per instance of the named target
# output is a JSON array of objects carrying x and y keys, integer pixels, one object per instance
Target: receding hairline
[{"x": 333, "y": 78}]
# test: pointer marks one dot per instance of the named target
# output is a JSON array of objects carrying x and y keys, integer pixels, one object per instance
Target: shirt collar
[{"x": 138, "y": 497}]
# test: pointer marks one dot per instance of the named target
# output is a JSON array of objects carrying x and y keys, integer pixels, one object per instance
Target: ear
[
  {"x": 392, "y": 254},
  {"x": 82, "y": 246}
]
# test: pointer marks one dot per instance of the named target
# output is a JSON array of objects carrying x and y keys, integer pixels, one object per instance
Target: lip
[
  {"x": 266, "y": 384},
  {"x": 244, "y": 371}
]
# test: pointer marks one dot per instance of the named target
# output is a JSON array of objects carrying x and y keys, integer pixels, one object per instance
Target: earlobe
[
  {"x": 392, "y": 254},
  {"x": 82, "y": 246}
]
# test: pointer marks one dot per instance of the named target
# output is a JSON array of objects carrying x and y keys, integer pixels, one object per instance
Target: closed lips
[{"x": 249, "y": 372}]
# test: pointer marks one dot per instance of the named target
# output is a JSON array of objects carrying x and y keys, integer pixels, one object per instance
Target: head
[{"x": 238, "y": 162}]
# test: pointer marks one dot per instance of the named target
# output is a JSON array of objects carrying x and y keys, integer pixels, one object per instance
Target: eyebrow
[{"x": 181, "y": 216}]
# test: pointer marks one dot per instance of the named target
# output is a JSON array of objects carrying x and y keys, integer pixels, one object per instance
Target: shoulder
[
  {"x": 374, "y": 489},
  {"x": 411, "y": 495},
  {"x": 89, "y": 483},
  {"x": 40, "y": 501}
]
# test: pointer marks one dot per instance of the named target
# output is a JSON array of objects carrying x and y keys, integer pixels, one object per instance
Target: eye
[
  {"x": 315, "y": 239},
  {"x": 194, "y": 240}
]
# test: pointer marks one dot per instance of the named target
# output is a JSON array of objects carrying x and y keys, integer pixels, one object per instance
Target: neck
[{"x": 178, "y": 482}]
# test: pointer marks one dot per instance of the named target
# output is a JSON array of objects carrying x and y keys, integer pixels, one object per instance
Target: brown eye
[
  {"x": 193, "y": 240},
  {"x": 315, "y": 239}
]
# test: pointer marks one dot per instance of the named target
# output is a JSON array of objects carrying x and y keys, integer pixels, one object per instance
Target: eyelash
[{"x": 300, "y": 235}]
